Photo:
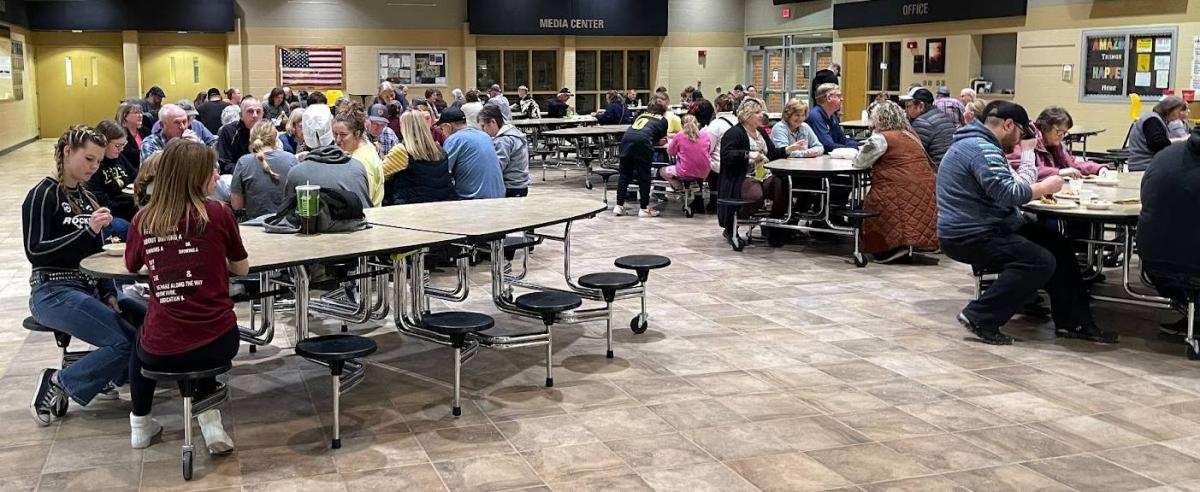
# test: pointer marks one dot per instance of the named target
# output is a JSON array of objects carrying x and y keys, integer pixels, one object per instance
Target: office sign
[
  {"x": 872, "y": 13},
  {"x": 568, "y": 17}
]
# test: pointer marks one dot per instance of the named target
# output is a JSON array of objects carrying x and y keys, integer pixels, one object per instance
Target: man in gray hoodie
[
  {"x": 511, "y": 148},
  {"x": 980, "y": 223},
  {"x": 327, "y": 165}
]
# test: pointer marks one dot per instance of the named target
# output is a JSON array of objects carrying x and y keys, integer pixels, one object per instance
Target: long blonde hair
[
  {"x": 418, "y": 140},
  {"x": 179, "y": 195},
  {"x": 145, "y": 179},
  {"x": 691, "y": 127},
  {"x": 264, "y": 137},
  {"x": 75, "y": 138}
]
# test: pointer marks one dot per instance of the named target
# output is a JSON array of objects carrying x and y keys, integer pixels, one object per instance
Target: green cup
[{"x": 308, "y": 207}]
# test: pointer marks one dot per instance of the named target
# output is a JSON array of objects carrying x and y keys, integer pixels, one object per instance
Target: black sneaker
[
  {"x": 1176, "y": 329},
  {"x": 46, "y": 398},
  {"x": 1088, "y": 331},
  {"x": 1035, "y": 309},
  {"x": 990, "y": 337}
]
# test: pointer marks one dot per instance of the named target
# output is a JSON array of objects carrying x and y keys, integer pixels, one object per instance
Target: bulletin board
[
  {"x": 413, "y": 68},
  {"x": 6, "y": 66},
  {"x": 1117, "y": 63}
]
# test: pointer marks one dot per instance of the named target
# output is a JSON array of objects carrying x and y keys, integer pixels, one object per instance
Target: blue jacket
[
  {"x": 615, "y": 114},
  {"x": 474, "y": 164},
  {"x": 829, "y": 130},
  {"x": 977, "y": 190}
]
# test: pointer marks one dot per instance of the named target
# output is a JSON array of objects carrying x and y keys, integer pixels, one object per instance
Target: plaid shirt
[
  {"x": 384, "y": 142},
  {"x": 953, "y": 109}
]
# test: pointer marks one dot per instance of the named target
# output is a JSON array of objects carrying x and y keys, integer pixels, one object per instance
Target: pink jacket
[
  {"x": 692, "y": 157},
  {"x": 1051, "y": 160}
]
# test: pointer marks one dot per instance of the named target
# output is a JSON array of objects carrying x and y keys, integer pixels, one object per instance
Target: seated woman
[
  {"x": 110, "y": 179},
  {"x": 974, "y": 111},
  {"x": 744, "y": 150},
  {"x": 349, "y": 133},
  {"x": 416, "y": 171},
  {"x": 62, "y": 225},
  {"x": 190, "y": 325},
  {"x": 903, "y": 188},
  {"x": 616, "y": 113},
  {"x": 292, "y": 138},
  {"x": 256, "y": 187},
  {"x": 690, "y": 150},
  {"x": 327, "y": 165},
  {"x": 1053, "y": 158},
  {"x": 1149, "y": 134},
  {"x": 143, "y": 186},
  {"x": 793, "y": 135},
  {"x": 129, "y": 116}
]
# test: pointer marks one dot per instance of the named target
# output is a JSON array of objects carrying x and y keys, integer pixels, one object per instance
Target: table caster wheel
[
  {"x": 638, "y": 325},
  {"x": 60, "y": 408},
  {"x": 588, "y": 185},
  {"x": 688, "y": 212},
  {"x": 187, "y": 465},
  {"x": 253, "y": 348},
  {"x": 860, "y": 260},
  {"x": 1191, "y": 352}
]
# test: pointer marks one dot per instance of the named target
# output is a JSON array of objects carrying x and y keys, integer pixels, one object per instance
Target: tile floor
[{"x": 772, "y": 369}]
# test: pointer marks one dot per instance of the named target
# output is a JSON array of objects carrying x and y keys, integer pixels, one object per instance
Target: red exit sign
[{"x": 786, "y": 12}]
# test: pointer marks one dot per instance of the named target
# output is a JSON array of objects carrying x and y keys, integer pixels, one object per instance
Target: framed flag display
[{"x": 312, "y": 67}]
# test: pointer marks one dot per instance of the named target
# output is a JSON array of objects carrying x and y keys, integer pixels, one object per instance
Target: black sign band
[
  {"x": 568, "y": 17},
  {"x": 873, "y": 13}
]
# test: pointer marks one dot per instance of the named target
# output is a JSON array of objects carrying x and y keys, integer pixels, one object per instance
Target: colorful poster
[
  {"x": 1143, "y": 63},
  {"x": 1145, "y": 45}
]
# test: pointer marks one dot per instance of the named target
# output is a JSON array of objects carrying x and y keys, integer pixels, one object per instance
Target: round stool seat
[
  {"x": 549, "y": 302},
  {"x": 859, "y": 214},
  {"x": 605, "y": 172},
  {"x": 333, "y": 348},
  {"x": 458, "y": 322},
  {"x": 608, "y": 281},
  {"x": 640, "y": 262},
  {"x": 734, "y": 202},
  {"x": 159, "y": 375},
  {"x": 32, "y": 325}
]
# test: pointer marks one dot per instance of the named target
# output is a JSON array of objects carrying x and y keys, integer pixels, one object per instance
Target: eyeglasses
[{"x": 1059, "y": 132}]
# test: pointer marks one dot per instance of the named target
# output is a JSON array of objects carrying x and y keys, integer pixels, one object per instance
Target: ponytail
[{"x": 263, "y": 137}]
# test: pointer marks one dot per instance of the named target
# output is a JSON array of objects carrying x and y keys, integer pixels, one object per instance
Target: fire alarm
[
  {"x": 703, "y": 52},
  {"x": 912, "y": 45},
  {"x": 786, "y": 12}
]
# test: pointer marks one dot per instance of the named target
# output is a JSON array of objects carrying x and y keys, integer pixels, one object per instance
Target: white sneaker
[
  {"x": 143, "y": 431},
  {"x": 214, "y": 433},
  {"x": 618, "y": 210},
  {"x": 648, "y": 212}
]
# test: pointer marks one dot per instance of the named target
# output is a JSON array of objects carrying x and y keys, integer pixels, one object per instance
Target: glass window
[
  {"x": 585, "y": 70},
  {"x": 874, "y": 59},
  {"x": 516, "y": 70},
  {"x": 612, "y": 75},
  {"x": 545, "y": 70},
  {"x": 639, "y": 70},
  {"x": 893, "y": 67},
  {"x": 487, "y": 69},
  {"x": 585, "y": 103}
]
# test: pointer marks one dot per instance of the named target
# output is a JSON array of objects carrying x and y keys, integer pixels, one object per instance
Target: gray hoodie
[
  {"x": 513, "y": 151},
  {"x": 331, "y": 168}
]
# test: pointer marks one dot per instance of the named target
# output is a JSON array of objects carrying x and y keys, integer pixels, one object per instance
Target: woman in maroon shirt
[{"x": 190, "y": 245}]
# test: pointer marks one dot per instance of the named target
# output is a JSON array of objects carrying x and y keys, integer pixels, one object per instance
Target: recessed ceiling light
[
  {"x": 180, "y": 32},
  {"x": 76, "y": 30}
]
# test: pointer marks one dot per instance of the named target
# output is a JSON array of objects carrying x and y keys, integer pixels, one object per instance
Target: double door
[
  {"x": 184, "y": 71},
  {"x": 784, "y": 73},
  {"x": 77, "y": 85}
]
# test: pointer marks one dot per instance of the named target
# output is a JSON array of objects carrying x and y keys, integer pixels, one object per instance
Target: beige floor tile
[
  {"x": 21, "y": 460},
  {"x": 623, "y": 423},
  {"x": 1156, "y": 461},
  {"x": 729, "y": 383},
  {"x": 283, "y": 463},
  {"x": 1089, "y": 472},
  {"x": 810, "y": 433},
  {"x": 658, "y": 452},
  {"x": 463, "y": 442},
  {"x": 412, "y": 477},
  {"x": 866, "y": 463},
  {"x": 319, "y": 483},
  {"x": 695, "y": 414},
  {"x": 75, "y": 454},
  {"x": 921, "y": 484},
  {"x": 944, "y": 453},
  {"x": 768, "y": 406},
  {"x": 1007, "y": 478},
  {"x": 1018, "y": 443},
  {"x": 1151, "y": 422},
  {"x": 705, "y": 477},
  {"x": 1145, "y": 392},
  {"x": 972, "y": 358},
  {"x": 371, "y": 452},
  {"x": 661, "y": 390},
  {"x": 1089, "y": 433},
  {"x": 1026, "y": 377},
  {"x": 738, "y": 441},
  {"x": 857, "y": 372},
  {"x": 577, "y": 462},
  {"x": 1021, "y": 407},
  {"x": 887, "y": 424},
  {"x": 954, "y": 415},
  {"x": 965, "y": 384},
  {"x": 787, "y": 472},
  {"x": 545, "y": 432},
  {"x": 631, "y": 483},
  {"x": 481, "y": 473},
  {"x": 125, "y": 476},
  {"x": 839, "y": 399},
  {"x": 903, "y": 392}
]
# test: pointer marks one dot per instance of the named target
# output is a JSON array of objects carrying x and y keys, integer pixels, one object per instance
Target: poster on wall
[
  {"x": 1104, "y": 68},
  {"x": 935, "y": 55},
  {"x": 312, "y": 67},
  {"x": 413, "y": 67},
  {"x": 1118, "y": 63},
  {"x": 1196, "y": 63},
  {"x": 18, "y": 70},
  {"x": 1152, "y": 73}
]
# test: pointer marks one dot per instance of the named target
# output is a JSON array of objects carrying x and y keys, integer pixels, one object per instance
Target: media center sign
[{"x": 568, "y": 17}]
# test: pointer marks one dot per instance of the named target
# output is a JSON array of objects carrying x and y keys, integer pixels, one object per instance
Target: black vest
[{"x": 420, "y": 182}]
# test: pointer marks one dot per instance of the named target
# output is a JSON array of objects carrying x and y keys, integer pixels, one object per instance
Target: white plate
[
  {"x": 114, "y": 249},
  {"x": 1098, "y": 205},
  {"x": 1064, "y": 196},
  {"x": 1054, "y": 206}
]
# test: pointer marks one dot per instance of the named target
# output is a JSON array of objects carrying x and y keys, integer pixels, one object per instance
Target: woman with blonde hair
[
  {"x": 903, "y": 188},
  {"x": 257, "y": 185},
  {"x": 793, "y": 135},
  {"x": 690, "y": 150},
  {"x": 62, "y": 224},
  {"x": 744, "y": 150},
  {"x": 189, "y": 326},
  {"x": 291, "y": 139},
  {"x": 974, "y": 111},
  {"x": 416, "y": 170}
]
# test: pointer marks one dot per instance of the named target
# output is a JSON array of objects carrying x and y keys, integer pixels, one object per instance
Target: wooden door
[
  {"x": 77, "y": 85},
  {"x": 183, "y": 71},
  {"x": 854, "y": 81}
]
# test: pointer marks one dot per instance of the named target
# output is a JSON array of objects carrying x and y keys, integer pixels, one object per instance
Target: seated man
[
  {"x": 558, "y": 108},
  {"x": 327, "y": 165},
  {"x": 511, "y": 148},
  {"x": 472, "y": 158},
  {"x": 172, "y": 123},
  {"x": 931, "y": 124},
  {"x": 824, "y": 119},
  {"x": 206, "y": 137},
  {"x": 1168, "y": 234},
  {"x": 979, "y": 223},
  {"x": 233, "y": 141}
]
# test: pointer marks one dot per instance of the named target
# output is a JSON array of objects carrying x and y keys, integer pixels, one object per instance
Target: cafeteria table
[
  {"x": 1081, "y": 134},
  {"x": 534, "y": 127},
  {"x": 579, "y": 134},
  {"x": 1124, "y": 216},
  {"x": 825, "y": 168}
]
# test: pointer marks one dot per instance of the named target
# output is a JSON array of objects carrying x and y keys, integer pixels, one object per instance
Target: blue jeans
[{"x": 76, "y": 309}]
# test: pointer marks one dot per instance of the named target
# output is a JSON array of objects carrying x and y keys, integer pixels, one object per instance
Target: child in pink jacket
[{"x": 690, "y": 150}]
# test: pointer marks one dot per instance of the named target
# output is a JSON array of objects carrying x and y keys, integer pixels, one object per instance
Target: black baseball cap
[
  {"x": 1007, "y": 110},
  {"x": 566, "y": 91},
  {"x": 452, "y": 115},
  {"x": 213, "y": 91},
  {"x": 378, "y": 113},
  {"x": 739, "y": 88},
  {"x": 918, "y": 94}
]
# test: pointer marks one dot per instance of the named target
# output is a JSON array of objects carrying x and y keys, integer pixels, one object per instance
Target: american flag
[{"x": 310, "y": 67}]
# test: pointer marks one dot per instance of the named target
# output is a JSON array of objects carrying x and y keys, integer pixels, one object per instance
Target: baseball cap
[
  {"x": 918, "y": 94},
  {"x": 1007, "y": 110},
  {"x": 213, "y": 91},
  {"x": 565, "y": 90},
  {"x": 739, "y": 88},
  {"x": 494, "y": 88},
  {"x": 943, "y": 91},
  {"x": 452, "y": 115},
  {"x": 187, "y": 107},
  {"x": 378, "y": 112}
]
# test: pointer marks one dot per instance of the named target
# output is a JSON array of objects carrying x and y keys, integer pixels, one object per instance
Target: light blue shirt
[
  {"x": 474, "y": 165},
  {"x": 782, "y": 137}
]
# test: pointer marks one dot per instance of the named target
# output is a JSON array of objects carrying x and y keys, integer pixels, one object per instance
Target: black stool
[
  {"x": 63, "y": 340},
  {"x": 512, "y": 244},
  {"x": 456, "y": 325},
  {"x": 335, "y": 351},
  {"x": 642, "y": 264},
  {"x": 855, "y": 218},
  {"x": 605, "y": 174},
  {"x": 736, "y": 204},
  {"x": 187, "y": 388},
  {"x": 549, "y": 305},
  {"x": 689, "y": 198},
  {"x": 608, "y": 284}
]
